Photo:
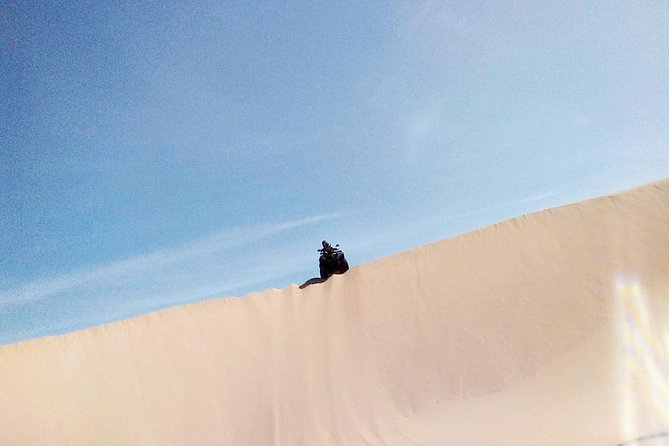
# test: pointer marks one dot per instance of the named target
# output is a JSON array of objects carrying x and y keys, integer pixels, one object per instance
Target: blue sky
[{"x": 153, "y": 154}]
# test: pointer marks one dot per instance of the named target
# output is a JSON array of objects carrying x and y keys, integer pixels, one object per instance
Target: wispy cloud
[
  {"x": 157, "y": 261},
  {"x": 505, "y": 205}
]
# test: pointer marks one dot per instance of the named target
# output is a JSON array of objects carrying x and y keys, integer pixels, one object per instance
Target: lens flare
[{"x": 644, "y": 366}]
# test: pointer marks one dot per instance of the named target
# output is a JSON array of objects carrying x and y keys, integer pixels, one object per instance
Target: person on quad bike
[{"x": 331, "y": 260}]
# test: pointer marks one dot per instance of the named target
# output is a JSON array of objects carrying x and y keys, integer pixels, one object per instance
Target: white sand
[{"x": 547, "y": 329}]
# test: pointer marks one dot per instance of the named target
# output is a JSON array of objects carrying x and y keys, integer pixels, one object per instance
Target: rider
[{"x": 327, "y": 248}]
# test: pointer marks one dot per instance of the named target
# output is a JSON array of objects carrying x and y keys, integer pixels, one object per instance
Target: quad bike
[{"x": 332, "y": 261}]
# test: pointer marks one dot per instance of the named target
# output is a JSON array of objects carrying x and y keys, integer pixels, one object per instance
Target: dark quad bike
[{"x": 332, "y": 261}]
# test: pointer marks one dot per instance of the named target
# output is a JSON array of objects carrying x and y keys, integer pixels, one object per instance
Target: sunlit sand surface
[{"x": 547, "y": 329}]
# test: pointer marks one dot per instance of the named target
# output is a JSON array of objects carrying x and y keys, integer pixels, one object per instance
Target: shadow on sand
[{"x": 312, "y": 281}]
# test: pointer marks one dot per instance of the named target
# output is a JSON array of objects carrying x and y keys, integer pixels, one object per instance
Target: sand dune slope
[{"x": 548, "y": 329}]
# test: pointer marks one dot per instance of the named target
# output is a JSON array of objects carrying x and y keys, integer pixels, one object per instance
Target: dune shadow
[
  {"x": 645, "y": 438},
  {"x": 312, "y": 281}
]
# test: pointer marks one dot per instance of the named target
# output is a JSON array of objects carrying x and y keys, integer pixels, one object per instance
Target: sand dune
[{"x": 547, "y": 329}]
